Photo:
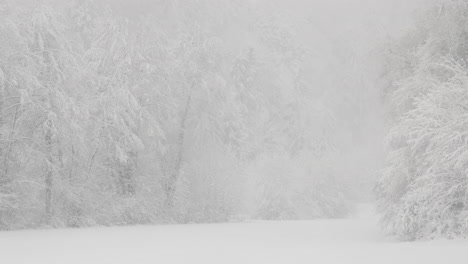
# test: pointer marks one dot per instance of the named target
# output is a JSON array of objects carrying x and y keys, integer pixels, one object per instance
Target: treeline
[
  {"x": 203, "y": 112},
  {"x": 423, "y": 192}
]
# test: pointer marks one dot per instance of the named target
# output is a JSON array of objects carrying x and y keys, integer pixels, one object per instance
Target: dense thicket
[
  {"x": 203, "y": 111},
  {"x": 423, "y": 192}
]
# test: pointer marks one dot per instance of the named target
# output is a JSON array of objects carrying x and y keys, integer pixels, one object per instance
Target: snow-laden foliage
[
  {"x": 210, "y": 111},
  {"x": 423, "y": 189}
]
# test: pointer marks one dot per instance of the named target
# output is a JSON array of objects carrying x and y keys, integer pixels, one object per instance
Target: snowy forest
[
  {"x": 211, "y": 111},
  {"x": 423, "y": 191}
]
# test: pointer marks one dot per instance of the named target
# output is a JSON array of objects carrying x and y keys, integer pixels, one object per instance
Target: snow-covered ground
[{"x": 355, "y": 240}]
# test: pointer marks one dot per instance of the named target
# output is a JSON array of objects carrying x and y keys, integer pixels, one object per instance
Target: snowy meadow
[{"x": 228, "y": 131}]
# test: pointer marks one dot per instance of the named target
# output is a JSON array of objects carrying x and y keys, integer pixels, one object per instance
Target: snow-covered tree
[
  {"x": 109, "y": 118},
  {"x": 422, "y": 192}
]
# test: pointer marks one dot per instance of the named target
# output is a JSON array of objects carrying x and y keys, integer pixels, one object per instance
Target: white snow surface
[{"x": 354, "y": 240}]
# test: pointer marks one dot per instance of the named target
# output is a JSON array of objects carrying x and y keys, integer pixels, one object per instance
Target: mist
[
  {"x": 338, "y": 119},
  {"x": 242, "y": 99}
]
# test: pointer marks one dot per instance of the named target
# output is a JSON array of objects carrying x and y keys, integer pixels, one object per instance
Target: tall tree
[{"x": 422, "y": 192}]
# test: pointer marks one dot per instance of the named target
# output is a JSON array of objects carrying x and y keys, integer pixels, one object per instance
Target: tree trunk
[
  {"x": 8, "y": 149},
  {"x": 49, "y": 173},
  {"x": 126, "y": 176},
  {"x": 171, "y": 181}
]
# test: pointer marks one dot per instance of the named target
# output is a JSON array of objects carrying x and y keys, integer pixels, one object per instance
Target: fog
[{"x": 135, "y": 112}]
